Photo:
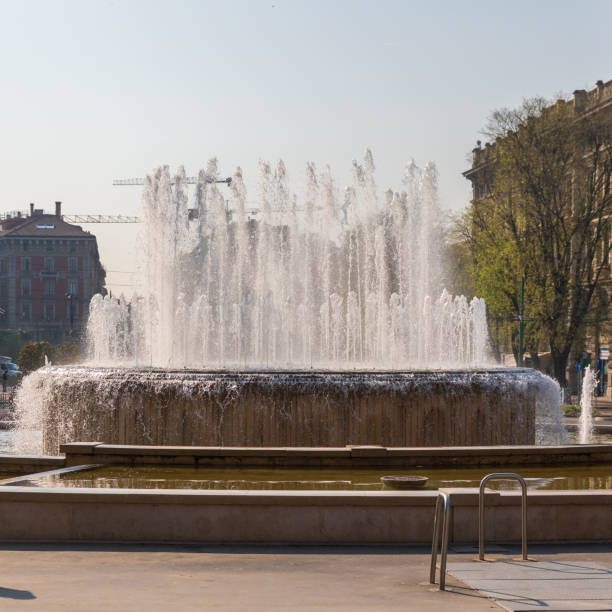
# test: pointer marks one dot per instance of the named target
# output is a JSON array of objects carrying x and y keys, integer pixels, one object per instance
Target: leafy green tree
[
  {"x": 492, "y": 262},
  {"x": 32, "y": 355},
  {"x": 544, "y": 216}
]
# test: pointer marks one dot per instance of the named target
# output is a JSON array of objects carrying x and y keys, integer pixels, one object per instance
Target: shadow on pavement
[
  {"x": 264, "y": 549},
  {"x": 16, "y": 594}
]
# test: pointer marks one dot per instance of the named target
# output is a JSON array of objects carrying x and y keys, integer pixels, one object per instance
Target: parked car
[
  {"x": 13, "y": 368},
  {"x": 12, "y": 371}
]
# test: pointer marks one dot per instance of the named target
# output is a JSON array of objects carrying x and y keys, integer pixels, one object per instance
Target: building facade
[
  {"x": 597, "y": 101},
  {"x": 49, "y": 271}
]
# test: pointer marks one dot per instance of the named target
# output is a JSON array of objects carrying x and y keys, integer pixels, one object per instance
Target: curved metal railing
[
  {"x": 442, "y": 515},
  {"x": 481, "y": 511}
]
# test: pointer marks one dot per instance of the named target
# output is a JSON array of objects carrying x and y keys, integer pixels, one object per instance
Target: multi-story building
[
  {"x": 49, "y": 270},
  {"x": 598, "y": 101}
]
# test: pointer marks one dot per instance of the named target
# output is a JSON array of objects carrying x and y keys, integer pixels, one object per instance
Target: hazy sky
[{"x": 97, "y": 90}]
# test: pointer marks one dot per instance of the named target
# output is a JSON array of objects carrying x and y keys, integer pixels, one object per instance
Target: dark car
[{"x": 13, "y": 372}]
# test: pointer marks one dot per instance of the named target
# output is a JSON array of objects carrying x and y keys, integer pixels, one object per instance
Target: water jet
[{"x": 323, "y": 322}]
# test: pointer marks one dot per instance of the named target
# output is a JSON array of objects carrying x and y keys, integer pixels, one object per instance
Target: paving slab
[{"x": 539, "y": 585}]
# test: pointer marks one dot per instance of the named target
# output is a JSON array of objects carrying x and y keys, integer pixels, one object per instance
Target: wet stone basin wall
[{"x": 399, "y": 409}]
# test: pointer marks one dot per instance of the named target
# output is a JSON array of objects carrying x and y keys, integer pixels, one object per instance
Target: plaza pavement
[{"x": 116, "y": 577}]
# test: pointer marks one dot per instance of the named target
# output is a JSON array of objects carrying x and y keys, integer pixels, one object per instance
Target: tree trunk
[
  {"x": 535, "y": 359},
  {"x": 559, "y": 361},
  {"x": 494, "y": 339}
]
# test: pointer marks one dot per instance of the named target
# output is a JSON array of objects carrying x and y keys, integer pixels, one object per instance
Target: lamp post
[
  {"x": 522, "y": 323},
  {"x": 71, "y": 299}
]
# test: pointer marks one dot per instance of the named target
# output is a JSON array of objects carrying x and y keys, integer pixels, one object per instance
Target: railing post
[
  {"x": 442, "y": 515},
  {"x": 481, "y": 512},
  {"x": 445, "y": 534},
  {"x": 436, "y": 538}
]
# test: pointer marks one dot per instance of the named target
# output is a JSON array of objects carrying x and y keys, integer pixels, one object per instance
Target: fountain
[
  {"x": 585, "y": 425},
  {"x": 318, "y": 320}
]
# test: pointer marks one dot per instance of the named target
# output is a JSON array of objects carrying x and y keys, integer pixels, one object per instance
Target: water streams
[
  {"x": 585, "y": 425},
  {"x": 317, "y": 319},
  {"x": 323, "y": 279}
]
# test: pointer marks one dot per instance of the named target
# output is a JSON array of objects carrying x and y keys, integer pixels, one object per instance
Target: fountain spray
[{"x": 589, "y": 382}]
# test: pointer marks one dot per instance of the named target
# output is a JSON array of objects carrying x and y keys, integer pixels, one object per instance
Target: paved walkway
[
  {"x": 119, "y": 578},
  {"x": 520, "y": 586}
]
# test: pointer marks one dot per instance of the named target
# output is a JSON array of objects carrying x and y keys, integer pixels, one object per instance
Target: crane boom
[
  {"x": 189, "y": 180},
  {"x": 100, "y": 219}
]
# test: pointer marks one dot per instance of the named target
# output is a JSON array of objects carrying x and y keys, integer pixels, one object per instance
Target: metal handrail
[
  {"x": 442, "y": 510},
  {"x": 481, "y": 511}
]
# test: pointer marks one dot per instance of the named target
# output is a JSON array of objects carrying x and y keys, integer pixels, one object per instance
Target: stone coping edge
[
  {"x": 81, "y": 448},
  {"x": 468, "y": 496},
  {"x": 459, "y": 497},
  {"x": 31, "y": 460},
  {"x": 12, "y": 493}
]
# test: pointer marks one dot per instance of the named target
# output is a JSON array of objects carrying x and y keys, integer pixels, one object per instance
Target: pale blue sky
[{"x": 96, "y": 90}]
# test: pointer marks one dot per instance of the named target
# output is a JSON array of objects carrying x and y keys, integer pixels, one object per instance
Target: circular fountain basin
[{"x": 285, "y": 408}]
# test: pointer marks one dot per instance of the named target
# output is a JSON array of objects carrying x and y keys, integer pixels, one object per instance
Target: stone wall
[{"x": 277, "y": 409}]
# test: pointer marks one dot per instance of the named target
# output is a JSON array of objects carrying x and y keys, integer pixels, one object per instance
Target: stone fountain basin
[{"x": 287, "y": 408}]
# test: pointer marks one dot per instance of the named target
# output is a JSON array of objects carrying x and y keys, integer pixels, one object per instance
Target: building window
[
  {"x": 25, "y": 264},
  {"x": 49, "y": 313},
  {"x": 26, "y": 289},
  {"x": 72, "y": 265},
  {"x": 26, "y": 311},
  {"x": 49, "y": 265},
  {"x": 73, "y": 287},
  {"x": 50, "y": 245},
  {"x": 25, "y": 245},
  {"x": 49, "y": 288}
]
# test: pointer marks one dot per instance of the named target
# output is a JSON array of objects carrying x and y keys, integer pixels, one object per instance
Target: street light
[{"x": 70, "y": 299}]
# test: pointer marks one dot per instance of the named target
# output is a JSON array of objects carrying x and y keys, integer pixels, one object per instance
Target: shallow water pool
[{"x": 538, "y": 478}]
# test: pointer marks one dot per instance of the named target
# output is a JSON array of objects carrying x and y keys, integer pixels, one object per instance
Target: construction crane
[
  {"x": 23, "y": 214},
  {"x": 100, "y": 219},
  {"x": 188, "y": 180}
]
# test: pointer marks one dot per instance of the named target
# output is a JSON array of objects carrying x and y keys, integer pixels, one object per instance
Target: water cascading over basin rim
[
  {"x": 321, "y": 317},
  {"x": 290, "y": 408}
]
